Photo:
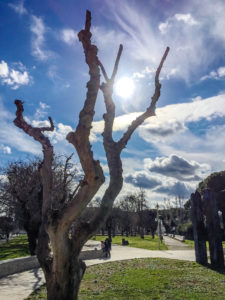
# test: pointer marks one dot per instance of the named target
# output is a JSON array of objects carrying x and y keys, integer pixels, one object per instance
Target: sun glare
[{"x": 125, "y": 87}]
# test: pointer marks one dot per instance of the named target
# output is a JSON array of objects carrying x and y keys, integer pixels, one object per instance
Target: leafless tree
[
  {"x": 61, "y": 264},
  {"x": 21, "y": 192}
]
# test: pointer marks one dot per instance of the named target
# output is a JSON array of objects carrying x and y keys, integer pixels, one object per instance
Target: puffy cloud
[
  {"x": 218, "y": 74},
  {"x": 69, "y": 36},
  {"x": 142, "y": 179},
  {"x": 4, "y": 69},
  {"x": 60, "y": 132},
  {"x": 158, "y": 130},
  {"x": 19, "y": 78},
  {"x": 171, "y": 118},
  {"x": 12, "y": 77},
  {"x": 5, "y": 149},
  {"x": 178, "y": 189},
  {"x": 177, "y": 167},
  {"x": 171, "y": 22},
  {"x": 197, "y": 98}
]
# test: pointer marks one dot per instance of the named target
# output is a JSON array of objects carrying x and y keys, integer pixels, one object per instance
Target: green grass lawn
[
  {"x": 16, "y": 247},
  {"x": 135, "y": 241},
  {"x": 192, "y": 243},
  {"x": 149, "y": 278}
]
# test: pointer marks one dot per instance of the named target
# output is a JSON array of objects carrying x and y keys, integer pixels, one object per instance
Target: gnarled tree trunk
[{"x": 62, "y": 268}]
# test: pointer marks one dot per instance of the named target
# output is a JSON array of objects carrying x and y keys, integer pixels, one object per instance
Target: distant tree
[
  {"x": 135, "y": 215},
  {"x": 215, "y": 182},
  {"x": 6, "y": 226},
  {"x": 61, "y": 264},
  {"x": 22, "y": 191}
]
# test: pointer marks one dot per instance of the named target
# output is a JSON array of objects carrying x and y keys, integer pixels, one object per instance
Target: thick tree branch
[
  {"x": 113, "y": 158},
  {"x": 114, "y": 149},
  {"x": 94, "y": 176},
  {"x": 46, "y": 167},
  {"x": 150, "y": 111},
  {"x": 80, "y": 138},
  {"x": 35, "y": 132},
  {"x": 46, "y": 174}
]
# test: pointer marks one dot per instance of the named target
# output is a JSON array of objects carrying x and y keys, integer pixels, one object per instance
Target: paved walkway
[
  {"x": 20, "y": 285},
  {"x": 174, "y": 244}
]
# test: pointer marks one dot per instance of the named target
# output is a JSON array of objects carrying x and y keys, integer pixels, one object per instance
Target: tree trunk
[
  {"x": 63, "y": 268},
  {"x": 199, "y": 229},
  {"x": 32, "y": 242},
  {"x": 65, "y": 285},
  {"x": 213, "y": 228}
]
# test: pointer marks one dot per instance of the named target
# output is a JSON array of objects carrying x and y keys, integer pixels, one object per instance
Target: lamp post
[{"x": 158, "y": 224}]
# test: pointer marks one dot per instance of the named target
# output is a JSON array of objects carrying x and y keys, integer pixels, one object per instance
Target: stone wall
[{"x": 16, "y": 265}]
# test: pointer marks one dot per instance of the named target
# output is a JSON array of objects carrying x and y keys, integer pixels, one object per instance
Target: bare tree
[
  {"x": 62, "y": 267},
  {"x": 21, "y": 192}
]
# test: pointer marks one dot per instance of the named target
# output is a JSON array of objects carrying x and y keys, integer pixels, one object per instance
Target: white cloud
[
  {"x": 197, "y": 29},
  {"x": 176, "y": 189},
  {"x": 146, "y": 71},
  {"x": 171, "y": 22},
  {"x": 170, "y": 133},
  {"x": 18, "y": 7},
  {"x": 38, "y": 30},
  {"x": 174, "y": 116},
  {"x": 5, "y": 149},
  {"x": 4, "y": 70},
  {"x": 177, "y": 167},
  {"x": 186, "y": 18},
  {"x": 60, "y": 133},
  {"x": 13, "y": 137},
  {"x": 12, "y": 77},
  {"x": 69, "y": 36},
  {"x": 197, "y": 98},
  {"x": 19, "y": 78},
  {"x": 221, "y": 72},
  {"x": 218, "y": 74},
  {"x": 142, "y": 179}
]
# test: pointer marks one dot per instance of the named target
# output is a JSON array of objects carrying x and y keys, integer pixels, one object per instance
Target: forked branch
[
  {"x": 150, "y": 111},
  {"x": 35, "y": 132}
]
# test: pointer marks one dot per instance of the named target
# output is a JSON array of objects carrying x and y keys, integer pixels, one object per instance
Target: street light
[{"x": 159, "y": 224}]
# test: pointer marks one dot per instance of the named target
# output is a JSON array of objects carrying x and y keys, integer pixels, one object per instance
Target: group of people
[{"x": 106, "y": 247}]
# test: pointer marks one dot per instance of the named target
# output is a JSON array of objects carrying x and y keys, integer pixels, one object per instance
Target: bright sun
[{"x": 125, "y": 87}]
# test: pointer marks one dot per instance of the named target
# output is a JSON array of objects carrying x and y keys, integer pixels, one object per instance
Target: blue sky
[{"x": 42, "y": 63}]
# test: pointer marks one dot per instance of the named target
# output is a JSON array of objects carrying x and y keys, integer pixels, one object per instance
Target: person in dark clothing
[{"x": 107, "y": 247}]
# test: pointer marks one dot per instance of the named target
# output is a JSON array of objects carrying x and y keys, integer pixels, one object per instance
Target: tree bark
[
  {"x": 213, "y": 228},
  {"x": 199, "y": 229}
]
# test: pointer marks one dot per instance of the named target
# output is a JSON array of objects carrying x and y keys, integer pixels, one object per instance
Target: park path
[
  {"x": 20, "y": 285},
  {"x": 174, "y": 244}
]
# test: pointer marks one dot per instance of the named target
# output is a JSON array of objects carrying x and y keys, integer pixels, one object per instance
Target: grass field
[
  {"x": 150, "y": 278},
  {"x": 192, "y": 243},
  {"x": 135, "y": 241},
  {"x": 16, "y": 247}
]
